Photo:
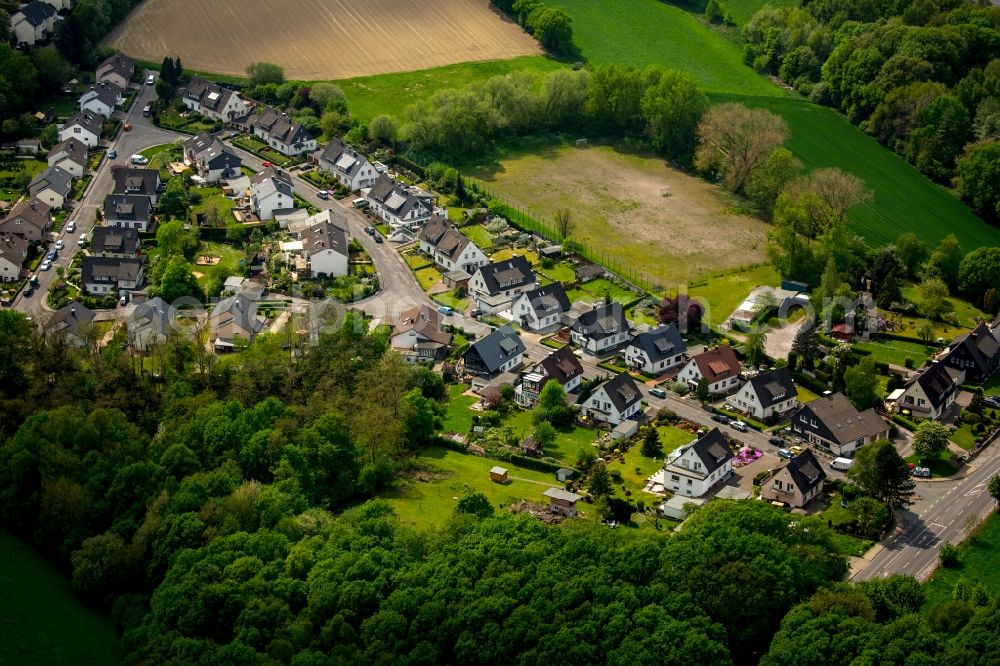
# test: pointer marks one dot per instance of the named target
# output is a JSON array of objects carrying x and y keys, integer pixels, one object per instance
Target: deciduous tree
[
  {"x": 734, "y": 139},
  {"x": 839, "y": 192},
  {"x": 879, "y": 471},
  {"x": 861, "y": 384},
  {"x": 260, "y": 73},
  {"x": 930, "y": 439}
]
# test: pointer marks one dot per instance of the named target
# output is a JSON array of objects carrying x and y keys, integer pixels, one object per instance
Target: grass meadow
[{"x": 979, "y": 562}]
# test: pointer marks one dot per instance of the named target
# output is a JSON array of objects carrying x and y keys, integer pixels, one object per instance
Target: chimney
[{"x": 72, "y": 312}]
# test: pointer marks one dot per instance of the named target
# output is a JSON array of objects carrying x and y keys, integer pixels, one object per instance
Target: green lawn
[
  {"x": 478, "y": 234},
  {"x": 41, "y": 620},
  {"x": 508, "y": 252},
  {"x": 568, "y": 440},
  {"x": 840, "y": 516},
  {"x": 963, "y": 437},
  {"x": 743, "y": 10},
  {"x": 560, "y": 272},
  {"x": 904, "y": 199},
  {"x": 644, "y": 32},
  {"x": 979, "y": 561},
  {"x": 213, "y": 199},
  {"x": 897, "y": 351},
  {"x": 416, "y": 261},
  {"x": 162, "y": 155},
  {"x": 672, "y": 438},
  {"x": 805, "y": 395},
  {"x": 636, "y": 481},
  {"x": 392, "y": 94},
  {"x": 429, "y": 504},
  {"x": 458, "y": 418},
  {"x": 722, "y": 294},
  {"x": 966, "y": 312},
  {"x": 428, "y": 277},
  {"x": 230, "y": 259},
  {"x": 992, "y": 387},
  {"x": 940, "y": 467}
]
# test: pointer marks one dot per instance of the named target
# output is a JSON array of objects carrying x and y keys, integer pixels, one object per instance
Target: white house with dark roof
[
  {"x": 542, "y": 307},
  {"x": 656, "y": 351},
  {"x": 151, "y": 322},
  {"x": 832, "y": 423},
  {"x": 117, "y": 69},
  {"x": 131, "y": 211},
  {"x": 720, "y": 368},
  {"x": 69, "y": 155},
  {"x": 114, "y": 241},
  {"x": 560, "y": 366},
  {"x": 602, "y": 329},
  {"x": 694, "y": 469},
  {"x": 766, "y": 394},
  {"x": 615, "y": 400},
  {"x": 449, "y": 247},
  {"x": 70, "y": 324},
  {"x": 84, "y": 126},
  {"x": 52, "y": 186},
  {"x": 102, "y": 98},
  {"x": 13, "y": 252},
  {"x": 132, "y": 181},
  {"x": 212, "y": 159},
  {"x": 500, "y": 351},
  {"x": 212, "y": 100},
  {"x": 350, "y": 168},
  {"x": 325, "y": 245},
  {"x": 795, "y": 482},
  {"x": 30, "y": 219},
  {"x": 118, "y": 276},
  {"x": 270, "y": 191},
  {"x": 930, "y": 393},
  {"x": 419, "y": 335},
  {"x": 233, "y": 319},
  {"x": 280, "y": 132},
  {"x": 33, "y": 23},
  {"x": 977, "y": 353},
  {"x": 496, "y": 286},
  {"x": 396, "y": 205}
]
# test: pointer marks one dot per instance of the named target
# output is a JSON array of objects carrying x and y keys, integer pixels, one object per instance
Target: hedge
[
  {"x": 810, "y": 383},
  {"x": 903, "y": 421},
  {"x": 756, "y": 425},
  {"x": 526, "y": 462},
  {"x": 904, "y": 338}
]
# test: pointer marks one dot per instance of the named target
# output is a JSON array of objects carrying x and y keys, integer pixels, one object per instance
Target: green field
[
  {"x": 644, "y": 32},
  {"x": 896, "y": 351},
  {"x": 478, "y": 234},
  {"x": 568, "y": 440},
  {"x": 596, "y": 290},
  {"x": 392, "y": 94},
  {"x": 41, "y": 619},
  {"x": 458, "y": 418},
  {"x": 979, "y": 561},
  {"x": 722, "y": 294}
]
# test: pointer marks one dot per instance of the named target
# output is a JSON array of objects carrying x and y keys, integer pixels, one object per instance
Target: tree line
[{"x": 921, "y": 77}]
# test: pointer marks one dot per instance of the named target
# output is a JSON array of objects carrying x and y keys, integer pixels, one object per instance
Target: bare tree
[
  {"x": 734, "y": 139},
  {"x": 564, "y": 223},
  {"x": 839, "y": 191}
]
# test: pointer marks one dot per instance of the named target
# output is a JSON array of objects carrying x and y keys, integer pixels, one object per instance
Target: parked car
[
  {"x": 446, "y": 310},
  {"x": 266, "y": 164},
  {"x": 45, "y": 265},
  {"x": 162, "y": 187},
  {"x": 359, "y": 203},
  {"x": 53, "y": 253},
  {"x": 796, "y": 450},
  {"x": 478, "y": 313},
  {"x": 322, "y": 194},
  {"x": 150, "y": 80},
  {"x": 28, "y": 290},
  {"x": 82, "y": 240},
  {"x": 776, "y": 441},
  {"x": 70, "y": 226},
  {"x": 123, "y": 300},
  {"x": 785, "y": 453},
  {"x": 992, "y": 402},
  {"x": 370, "y": 231},
  {"x": 923, "y": 472},
  {"x": 60, "y": 244},
  {"x": 739, "y": 425},
  {"x": 721, "y": 418},
  {"x": 112, "y": 154},
  {"x": 139, "y": 159},
  {"x": 657, "y": 392},
  {"x": 127, "y": 127},
  {"x": 378, "y": 238}
]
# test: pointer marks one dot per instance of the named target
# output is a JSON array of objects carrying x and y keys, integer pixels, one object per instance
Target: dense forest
[
  {"x": 223, "y": 513},
  {"x": 921, "y": 76}
]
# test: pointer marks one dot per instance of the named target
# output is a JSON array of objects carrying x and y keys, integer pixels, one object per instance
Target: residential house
[
  {"x": 449, "y": 247},
  {"x": 976, "y": 352},
  {"x": 932, "y": 391},
  {"x": 102, "y": 98},
  {"x": 151, "y": 322},
  {"x": 115, "y": 241},
  {"x": 766, "y": 394},
  {"x": 796, "y": 481},
  {"x": 70, "y": 324},
  {"x": 397, "y": 205},
  {"x": 281, "y": 133},
  {"x": 60, "y": 5},
  {"x": 560, "y": 366},
  {"x": 30, "y": 219},
  {"x": 832, "y": 423},
  {"x": 28, "y": 146},
  {"x": 134, "y": 181},
  {"x": 84, "y": 126},
  {"x": 656, "y": 351},
  {"x": 325, "y": 246},
  {"x": 542, "y": 308},
  {"x": 495, "y": 286},
  {"x": 233, "y": 319},
  {"x": 52, "y": 186},
  {"x": 213, "y": 101},
  {"x": 614, "y": 401},
  {"x": 118, "y": 276},
  {"x": 500, "y": 351},
  {"x": 348, "y": 166},
  {"x": 70, "y": 156},
  {"x": 33, "y": 23},
  {"x": 694, "y": 469},
  {"x": 562, "y": 502},
  {"x": 212, "y": 159},
  {"x": 13, "y": 252},
  {"x": 601, "y": 329},
  {"x": 128, "y": 211},
  {"x": 270, "y": 191},
  {"x": 719, "y": 366},
  {"x": 117, "y": 69},
  {"x": 420, "y": 336}
]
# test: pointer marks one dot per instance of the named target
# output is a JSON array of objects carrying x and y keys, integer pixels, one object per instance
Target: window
[
  {"x": 674, "y": 477},
  {"x": 689, "y": 482}
]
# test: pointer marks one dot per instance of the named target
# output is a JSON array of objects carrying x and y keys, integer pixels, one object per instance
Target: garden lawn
[
  {"x": 979, "y": 561},
  {"x": 568, "y": 440},
  {"x": 448, "y": 298},
  {"x": 722, "y": 294},
  {"x": 416, "y": 261},
  {"x": 992, "y": 387},
  {"x": 478, "y": 234},
  {"x": 897, "y": 351},
  {"x": 507, "y": 253},
  {"x": 560, "y": 272},
  {"x": 229, "y": 255},
  {"x": 940, "y": 467},
  {"x": 162, "y": 155},
  {"x": 392, "y": 94},
  {"x": 430, "y": 504},
  {"x": 672, "y": 438},
  {"x": 41, "y": 620},
  {"x": 458, "y": 418},
  {"x": 213, "y": 199},
  {"x": 805, "y": 396},
  {"x": 967, "y": 313},
  {"x": 603, "y": 286},
  {"x": 963, "y": 437},
  {"x": 428, "y": 277},
  {"x": 636, "y": 481}
]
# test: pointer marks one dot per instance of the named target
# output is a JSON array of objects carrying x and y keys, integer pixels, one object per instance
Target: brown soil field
[
  {"x": 618, "y": 207},
  {"x": 320, "y": 39}
]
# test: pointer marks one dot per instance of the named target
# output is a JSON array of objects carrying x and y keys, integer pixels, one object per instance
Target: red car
[
  {"x": 266, "y": 164},
  {"x": 127, "y": 127}
]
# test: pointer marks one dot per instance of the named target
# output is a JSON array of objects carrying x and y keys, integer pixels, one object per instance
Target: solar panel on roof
[
  {"x": 345, "y": 161},
  {"x": 395, "y": 200},
  {"x": 508, "y": 345}
]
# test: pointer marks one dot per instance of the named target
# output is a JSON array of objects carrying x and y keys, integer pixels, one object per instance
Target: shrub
[
  {"x": 908, "y": 363},
  {"x": 949, "y": 555},
  {"x": 680, "y": 388}
]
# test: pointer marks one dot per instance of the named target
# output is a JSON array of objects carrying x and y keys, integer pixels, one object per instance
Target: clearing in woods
[
  {"x": 321, "y": 39},
  {"x": 619, "y": 208}
]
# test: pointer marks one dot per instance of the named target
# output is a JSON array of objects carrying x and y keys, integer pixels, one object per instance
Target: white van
[
  {"x": 359, "y": 203},
  {"x": 139, "y": 159},
  {"x": 841, "y": 464}
]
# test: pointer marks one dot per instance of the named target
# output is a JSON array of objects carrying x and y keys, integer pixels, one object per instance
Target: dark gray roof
[
  {"x": 37, "y": 12},
  {"x": 209, "y": 152},
  {"x": 155, "y": 314},
  {"x": 33, "y": 211},
  {"x": 393, "y": 197},
  {"x": 561, "y": 365},
  {"x": 773, "y": 387},
  {"x": 88, "y": 120},
  {"x": 119, "y": 63},
  {"x": 136, "y": 181},
  {"x": 510, "y": 273},
  {"x": 713, "y": 450},
  {"x": 13, "y": 248},
  {"x": 271, "y": 180},
  {"x": 622, "y": 391},
  {"x": 549, "y": 298},
  {"x": 343, "y": 158},
  {"x": 937, "y": 383},
  {"x": 979, "y": 346},
  {"x": 497, "y": 348},
  {"x": 208, "y": 95},
  {"x": 106, "y": 91},
  {"x": 604, "y": 320},
  {"x": 55, "y": 178},
  {"x": 132, "y": 207},
  {"x": 242, "y": 308},
  {"x": 118, "y": 240},
  {"x": 72, "y": 149},
  {"x": 323, "y": 235},
  {"x": 805, "y": 470},
  {"x": 660, "y": 343},
  {"x": 837, "y": 420},
  {"x": 110, "y": 269},
  {"x": 279, "y": 126},
  {"x": 69, "y": 319},
  {"x": 434, "y": 230}
]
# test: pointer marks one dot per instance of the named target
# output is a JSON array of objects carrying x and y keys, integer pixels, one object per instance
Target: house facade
[
  {"x": 350, "y": 168},
  {"x": 104, "y": 276},
  {"x": 117, "y": 69},
  {"x": 560, "y": 366},
  {"x": 396, "y": 205},
  {"x": 976, "y": 353},
  {"x": 602, "y": 329},
  {"x": 213, "y": 101},
  {"x": 70, "y": 156},
  {"x": 614, "y": 401},
  {"x": 932, "y": 391},
  {"x": 30, "y": 219},
  {"x": 128, "y": 211},
  {"x": 795, "y": 482},
  {"x": 449, "y": 247},
  {"x": 270, "y": 191},
  {"x": 832, "y": 423},
  {"x": 70, "y": 324},
  {"x": 500, "y": 351},
  {"x": 13, "y": 252},
  {"x": 719, "y": 366},
  {"x": 768, "y": 394},
  {"x": 656, "y": 351},
  {"x": 84, "y": 126},
  {"x": 33, "y": 23},
  {"x": 495, "y": 286},
  {"x": 694, "y": 469},
  {"x": 541, "y": 308},
  {"x": 212, "y": 159},
  {"x": 234, "y": 319},
  {"x": 281, "y": 133},
  {"x": 102, "y": 98},
  {"x": 52, "y": 186},
  {"x": 419, "y": 335},
  {"x": 325, "y": 245}
]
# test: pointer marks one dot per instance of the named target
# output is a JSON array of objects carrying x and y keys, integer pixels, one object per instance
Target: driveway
[{"x": 779, "y": 340}]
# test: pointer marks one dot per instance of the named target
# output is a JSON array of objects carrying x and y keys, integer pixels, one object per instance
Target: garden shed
[{"x": 498, "y": 475}]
